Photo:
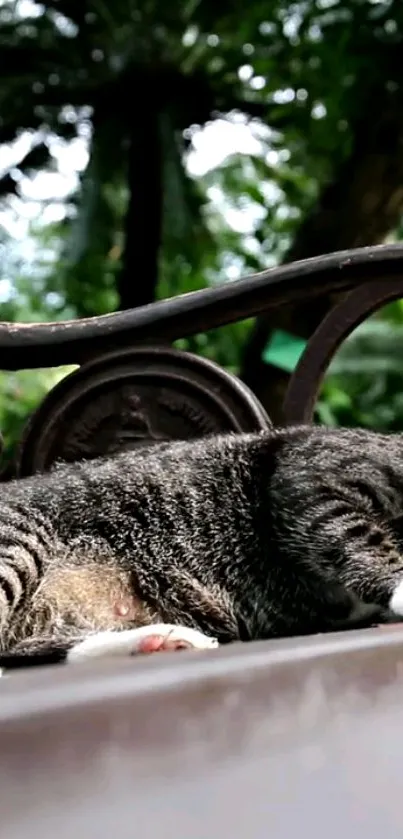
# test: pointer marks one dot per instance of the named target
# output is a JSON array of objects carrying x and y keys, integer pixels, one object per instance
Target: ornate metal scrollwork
[{"x": 133, "y": 398}]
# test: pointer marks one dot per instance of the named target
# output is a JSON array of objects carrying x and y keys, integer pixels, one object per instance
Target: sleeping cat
[{"x": 200, "y": 543}]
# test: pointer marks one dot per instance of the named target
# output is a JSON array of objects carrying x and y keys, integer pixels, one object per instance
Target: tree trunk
[
  {"x": 139, "y": 276},
  {"x": 360, "y": 207}
]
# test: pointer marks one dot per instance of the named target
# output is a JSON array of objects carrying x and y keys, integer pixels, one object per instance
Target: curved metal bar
[
  {"x": 69, "y": 342},
  {"x": 343, "y": 318}
]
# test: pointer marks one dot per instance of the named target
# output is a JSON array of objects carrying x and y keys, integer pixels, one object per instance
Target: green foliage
[
  {"x": 224, "y": 345},
  {"x": 304, "y": 69},
  {"x": 364, "y": 383},
  {"x": 20, "y": 394}
]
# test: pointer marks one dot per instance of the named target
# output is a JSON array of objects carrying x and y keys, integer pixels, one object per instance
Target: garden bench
[{"x": 269, "y": 739}]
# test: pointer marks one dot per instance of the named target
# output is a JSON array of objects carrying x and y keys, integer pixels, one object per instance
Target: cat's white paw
[
  {"x": 157, "y": 637},
  {"x": 396, "y": 601}
]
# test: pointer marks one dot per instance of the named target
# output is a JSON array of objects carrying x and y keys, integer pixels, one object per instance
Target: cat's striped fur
[{"x": 239, "y": 536}]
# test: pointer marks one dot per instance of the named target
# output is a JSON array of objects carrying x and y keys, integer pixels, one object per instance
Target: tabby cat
[{"x": 233, "y": 537}]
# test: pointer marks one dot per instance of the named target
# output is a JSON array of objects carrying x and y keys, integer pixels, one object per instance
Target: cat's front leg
[
  {"x": 376, "y": 575},
  {"x": 160, "y": 637},
  {"x": 358, "y": 550}
]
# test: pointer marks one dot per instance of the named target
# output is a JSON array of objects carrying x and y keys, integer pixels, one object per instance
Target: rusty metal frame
[{"x": 265, "y": 739}]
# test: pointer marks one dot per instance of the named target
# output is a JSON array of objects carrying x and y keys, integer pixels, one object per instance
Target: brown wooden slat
[{"x": 274, "y": 739}]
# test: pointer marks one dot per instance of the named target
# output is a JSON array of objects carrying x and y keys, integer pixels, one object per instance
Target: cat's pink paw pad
[
  {"x": 158, "y": 644},
  {"x": 144, "y": 639}
]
